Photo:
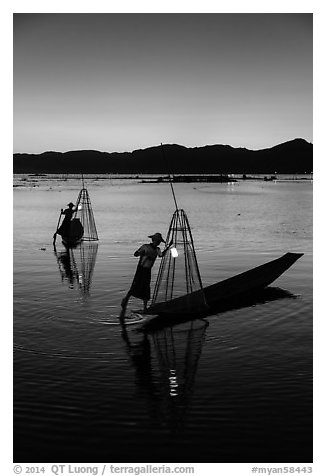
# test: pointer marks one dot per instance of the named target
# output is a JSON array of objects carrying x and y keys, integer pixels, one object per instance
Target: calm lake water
[{"x": 234, "y": 387}]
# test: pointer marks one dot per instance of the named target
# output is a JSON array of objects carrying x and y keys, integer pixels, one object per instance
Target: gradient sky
[{"x": 119, "y": 82}]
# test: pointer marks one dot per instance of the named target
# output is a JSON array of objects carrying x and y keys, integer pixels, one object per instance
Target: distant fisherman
[
  {"x": 140, "y": 287},
  {"x": 63, "y": 230}
]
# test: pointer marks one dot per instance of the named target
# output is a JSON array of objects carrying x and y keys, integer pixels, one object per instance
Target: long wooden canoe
[{"x": 229, "y": 289}]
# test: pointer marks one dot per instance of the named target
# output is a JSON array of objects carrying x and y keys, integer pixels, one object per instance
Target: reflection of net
[
  {"x": 85, "y": 214},
  {"x": 76, "y": 265},
  {"x": 84, "y": 258},
  {"x": 179, "y": 276},
  {"x": 178, "y": 351}
]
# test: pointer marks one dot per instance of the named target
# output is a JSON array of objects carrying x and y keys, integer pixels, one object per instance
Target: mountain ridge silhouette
[{"x": 294, "y": 156}]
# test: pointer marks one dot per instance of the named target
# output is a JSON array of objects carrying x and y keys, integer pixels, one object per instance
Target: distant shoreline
[{"x": 176, "y": 178}]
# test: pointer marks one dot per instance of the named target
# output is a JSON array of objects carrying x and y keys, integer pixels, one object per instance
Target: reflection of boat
[
  {"x": 151, "y": 323},
  {"x": 76, "y": 265},
  {"x": 232, "y": 288}
]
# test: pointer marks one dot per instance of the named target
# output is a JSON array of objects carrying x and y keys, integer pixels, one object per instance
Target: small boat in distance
[
  {"x": 219, "y": 294},
  {"x": 82, "y": 226},
  {"x": 76, "y": 232}
]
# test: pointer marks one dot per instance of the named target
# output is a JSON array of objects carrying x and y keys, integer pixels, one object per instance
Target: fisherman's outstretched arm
[{"x": 167, "y": 248}]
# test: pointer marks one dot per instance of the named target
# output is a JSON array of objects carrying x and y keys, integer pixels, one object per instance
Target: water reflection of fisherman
[
  {"x": 147, "y": 253},
  {"x": 64, "y": 260},
  {"x": 140, "y": 355},
  {"x": 63, "y": 230}
]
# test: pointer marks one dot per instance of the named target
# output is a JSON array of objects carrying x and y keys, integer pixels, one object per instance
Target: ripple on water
[{"x": 85, "y": 389}]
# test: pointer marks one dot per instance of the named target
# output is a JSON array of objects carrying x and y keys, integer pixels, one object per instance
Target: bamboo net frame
[
  {"x": 179, "y": 276},
  {"x": 84, "y": 213}
]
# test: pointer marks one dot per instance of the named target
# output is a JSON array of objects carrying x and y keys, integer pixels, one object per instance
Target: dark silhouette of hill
[{"x": 295, "y": 156}]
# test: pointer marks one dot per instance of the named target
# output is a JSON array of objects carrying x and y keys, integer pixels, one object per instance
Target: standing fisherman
[
  {"x": 140, "y": 287},
  {"x": 64, "y": 228}
]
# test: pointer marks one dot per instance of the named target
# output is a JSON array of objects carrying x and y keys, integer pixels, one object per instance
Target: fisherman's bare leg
[
  {"x": 125, "y": 300},
  {"x": 122, "y": 314}
]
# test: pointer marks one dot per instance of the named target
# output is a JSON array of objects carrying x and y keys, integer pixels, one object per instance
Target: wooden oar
[{"x": 55, "y": 234}]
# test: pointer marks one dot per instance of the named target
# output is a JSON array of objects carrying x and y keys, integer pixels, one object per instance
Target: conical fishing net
[
  {"x": 179, "y": 273},
  {"x": 84, "y": 213}
]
